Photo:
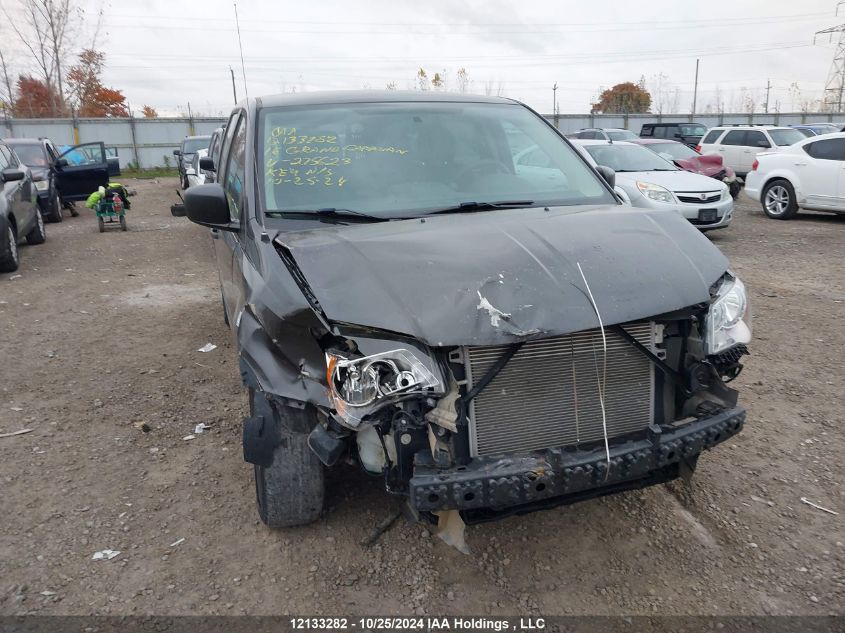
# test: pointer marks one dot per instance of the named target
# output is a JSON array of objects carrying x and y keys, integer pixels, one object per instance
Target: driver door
[{"x": 81, "y": 170}]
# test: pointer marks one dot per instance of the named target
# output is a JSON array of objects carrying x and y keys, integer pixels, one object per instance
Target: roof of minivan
[{"x": 371, "y": 96}]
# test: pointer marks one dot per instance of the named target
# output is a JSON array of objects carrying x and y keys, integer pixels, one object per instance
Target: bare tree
[
  {"x": 463, "y": 80},
  {"x": 8, "y": 95}
]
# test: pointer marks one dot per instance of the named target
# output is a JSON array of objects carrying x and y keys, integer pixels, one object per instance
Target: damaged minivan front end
[{"x": 487, "y": 357}]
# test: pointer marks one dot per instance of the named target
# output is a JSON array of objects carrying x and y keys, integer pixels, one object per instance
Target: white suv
[{"x": 738, "y": 145}]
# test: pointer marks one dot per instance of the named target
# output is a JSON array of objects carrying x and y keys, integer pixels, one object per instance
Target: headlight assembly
[
  {"x": 42, "y": 185},
  {"x": 728, "y": 322},
  {"x": 359, "y": 385},
  {"x": 655, "y": 192}
]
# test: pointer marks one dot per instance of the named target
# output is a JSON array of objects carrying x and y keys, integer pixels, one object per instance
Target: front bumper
[
  {"x": 513, "y": 484},
  {"x": 692, "y": 212}
]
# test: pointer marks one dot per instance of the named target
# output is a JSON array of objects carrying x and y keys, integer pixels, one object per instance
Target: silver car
[{"x": 654, "y": 183}]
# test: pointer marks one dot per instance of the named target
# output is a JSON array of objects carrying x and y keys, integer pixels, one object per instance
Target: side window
[
  {"x": 226, "y": 142},
  {"x": 648, "y": 130},
  {"x": 661, "y": 132},
  {"x": 828, "y": 149},
  {"x": 711, "y": 137},
  {"x": 51, "y": 152},
  {"x": 4, "y": 158},
  {"x": 589, "y": 134},
  {"x": 236, "y": 170},
  {"x": 734, "y": 137},
  {"x": 11, "y": 158},
  {"x": 755, "y": 138}
]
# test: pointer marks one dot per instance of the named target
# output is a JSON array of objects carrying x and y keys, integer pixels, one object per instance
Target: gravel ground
[{"x": 100, "y": 335}]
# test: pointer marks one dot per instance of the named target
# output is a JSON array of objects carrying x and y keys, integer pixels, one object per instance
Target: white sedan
[
  {"x": 808, "y": 175},
  {"x": 652, "y": 182}
]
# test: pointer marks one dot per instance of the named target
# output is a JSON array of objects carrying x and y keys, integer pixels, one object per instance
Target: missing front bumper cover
[{"x": 559, "y": 475}]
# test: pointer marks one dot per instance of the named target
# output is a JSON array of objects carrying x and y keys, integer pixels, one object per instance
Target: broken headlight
[
  {"x": 728, "y": 322},
  {"x": 358, "y": 386}
]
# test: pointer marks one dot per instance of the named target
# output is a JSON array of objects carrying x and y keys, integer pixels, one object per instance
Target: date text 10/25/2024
[{"x": 428, "y": 623}]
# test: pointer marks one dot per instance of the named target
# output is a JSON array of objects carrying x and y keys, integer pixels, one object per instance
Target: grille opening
[
  {"x": 432, "y": 498},
  {"x": 469, "y": 496},
  {"x": 540, "y": 487},
  {"x": 547, "y": 394}
]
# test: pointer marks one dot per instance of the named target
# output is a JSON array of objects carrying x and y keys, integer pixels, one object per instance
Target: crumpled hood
[
  {"x": 706, "y": 165},
  {"x": 502, "y": 276}
]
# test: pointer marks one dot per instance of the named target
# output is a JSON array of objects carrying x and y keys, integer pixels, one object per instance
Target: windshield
[
  {"x": 191, "y": 145},
  {"x": 31, "y": 155},
  {"x": 672, "y": 151},
  {"x": 692, "y": 130},
  {"x": 621, "y": 135},
  {"x": 786, "y": 137},
  {"x": 405, "y": 159},
  {"x": 628, "y": 157}
]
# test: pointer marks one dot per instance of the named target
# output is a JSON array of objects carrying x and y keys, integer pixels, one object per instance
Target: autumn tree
[
  {"x": 624, "y": 98},
  {"x": 149, "y": 112},
  {"x": 35, "y": 98},
  {"x": 86, "y": 92}
]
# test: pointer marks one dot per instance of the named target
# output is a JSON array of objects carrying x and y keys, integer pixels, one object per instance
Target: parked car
[
  {"x": 185, "y": 154},
  {"x": 402, "y": 296},
  {"x": 739, "y": 145},
  {"x": 196, "y": 175},
  {"x": 62, "y": 176},
  {"x": 653, "y": 182},
  {"x": 19, "y": 214},
  {"x": 604, "y": 134},
  {"x": 214, "y": 147},
  {"x": 688, "y": 159},
  {"x": 687, "y": 133},
  {"x": 806, "y": 175}
]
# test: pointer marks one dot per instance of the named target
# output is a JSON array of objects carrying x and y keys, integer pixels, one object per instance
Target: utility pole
[
  {"x": 234, "y": 89},
  {"x": 554, "y": 99},
  {"x": 695, "y": 90},
  {"x": 768, "y": 90},
  {"x": 835, "y": 85}
]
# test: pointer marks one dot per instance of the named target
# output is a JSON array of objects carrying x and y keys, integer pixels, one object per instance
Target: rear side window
[
  {"x": 648, "y": 130},
  {"x": 712, "y": 136},
  {"x": 589, "y": 134},
  {"x": 660, "y": 131},
  {"x": 754, "y": 138},
  {"x": 734, "y": 137},
  {"x": 828, "y": 149}
]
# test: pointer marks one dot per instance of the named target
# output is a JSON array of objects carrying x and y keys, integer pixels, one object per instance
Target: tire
[
  {"x": 779, "y": 201},
  {"x": 11, "y": 259},
  {"x": 101, "y": 223},
  {"x": 122, "y": 223},
  {"x": 55, "y": 208},
  {"x": 290, "y": 491},
  {"x": 38, "y": 234}
]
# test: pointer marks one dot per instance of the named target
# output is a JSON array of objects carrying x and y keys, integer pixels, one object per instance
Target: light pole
[{"x": 554, "y": 99}]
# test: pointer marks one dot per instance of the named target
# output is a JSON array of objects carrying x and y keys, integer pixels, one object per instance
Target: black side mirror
[
  {"x": 608, "y": 174},
  {"x": 10, "y": 175},
  {"x": 207, "y": 163},
  {"x": 177, "y": 152},
  {"x": 60, "y": 162},
  {"x": 207, "y": 205}
]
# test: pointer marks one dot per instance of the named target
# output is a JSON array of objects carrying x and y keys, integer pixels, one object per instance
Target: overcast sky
[{"x": 167, "y": 53}]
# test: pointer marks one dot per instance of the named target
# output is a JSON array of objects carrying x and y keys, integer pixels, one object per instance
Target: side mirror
[
  {"x": 207, "y": 205},
  {"x": 608, "y": 174},
  {"x": 60, "y": 162},
  {"x": 11, "y": 175},
  {"x": 207, "y": 163},
  {"x": 177, "y": 152}
]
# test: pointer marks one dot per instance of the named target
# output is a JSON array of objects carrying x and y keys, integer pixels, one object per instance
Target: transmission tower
[{"x": 834, "y": 88}]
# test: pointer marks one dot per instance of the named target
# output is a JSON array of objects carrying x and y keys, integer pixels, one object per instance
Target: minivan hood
[
  {"x": 501, "y": 276},
  {"x": 672, "y": 180}
]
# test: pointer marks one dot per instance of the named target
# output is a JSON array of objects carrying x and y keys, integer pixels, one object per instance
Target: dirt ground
[{"x": 99, "y": 333}]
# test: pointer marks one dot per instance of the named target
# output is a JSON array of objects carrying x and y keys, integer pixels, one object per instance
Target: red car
[{"x": 688, "y": 159}]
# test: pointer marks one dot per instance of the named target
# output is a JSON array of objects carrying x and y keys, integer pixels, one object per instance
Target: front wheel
[
  {"x": 290, "y": 491},
  {"x": 38, "y": 234},
  {"x": 779, "y": 200}
]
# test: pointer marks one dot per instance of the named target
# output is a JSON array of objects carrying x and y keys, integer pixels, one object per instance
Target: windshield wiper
[
  {"x": 484, "y": 206},
  {"x": 327, "y": 212}
]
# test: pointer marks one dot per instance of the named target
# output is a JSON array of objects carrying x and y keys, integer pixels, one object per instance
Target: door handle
[
  {"x": 215, "y": 234},
  {"x": 800, "y": 164}
]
